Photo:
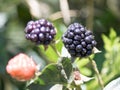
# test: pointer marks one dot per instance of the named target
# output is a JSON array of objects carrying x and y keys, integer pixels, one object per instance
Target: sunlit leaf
[
  {"x": 81, "y": 63},
  {"x": 112, "y": 34},
  {"x": 86, "y": 71},
  {"x": 49, "y": 53},
  {"x": 107, "y": 42},
  {"x": 60, "y": 30},
  {"x": 83, "y": 66}
]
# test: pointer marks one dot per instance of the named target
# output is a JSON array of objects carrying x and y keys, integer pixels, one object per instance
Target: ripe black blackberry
[
  {"x": 40, "y": 31},
  {"x": 78, "y": 40}
]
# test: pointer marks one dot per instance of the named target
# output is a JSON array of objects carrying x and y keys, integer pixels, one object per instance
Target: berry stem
[
  {"x": 55, "y": 50},
  {"x": 73, "y": 59},
  {"x": 100, "y": 81}
]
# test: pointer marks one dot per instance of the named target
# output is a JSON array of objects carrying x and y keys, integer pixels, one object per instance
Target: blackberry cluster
[
  {"x": 78, "y": 40},
  {"x": 40, "y": 31}
]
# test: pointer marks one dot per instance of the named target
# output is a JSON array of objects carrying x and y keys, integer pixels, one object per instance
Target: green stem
[
  {"x": 73, "y": 59},
  {"x": 97, "y": 73}
]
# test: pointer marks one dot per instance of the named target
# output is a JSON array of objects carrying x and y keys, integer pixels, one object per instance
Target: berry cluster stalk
[{"x": 97, "y": 73}]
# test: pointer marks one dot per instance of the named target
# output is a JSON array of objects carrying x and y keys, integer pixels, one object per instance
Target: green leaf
[
  {"x": 49, "y": 53},
  {"x": 107, "y": 42},
  {"x": 67, "y": 66},
  {"x": 83, "y": 66},
  {"x": 113, "y": 85},
  {"x": 112, "y": 34},
  {"x": 59, "y": 45},
  {"x": 51, "y": 75},
  {"x": 60, "y": 30}
]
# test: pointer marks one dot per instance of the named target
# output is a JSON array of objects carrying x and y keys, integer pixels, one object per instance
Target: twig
[
  {"x": 89, "y": 20},
  {"x": 65, "y": 11},
  {"x": 97, "y": 73},
  {"x": 58, "y": 15}
]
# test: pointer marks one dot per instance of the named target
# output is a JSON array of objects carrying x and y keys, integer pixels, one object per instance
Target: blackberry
[
  {"x": 78, "y": 40},
  {"x": 40, "y": 31}
]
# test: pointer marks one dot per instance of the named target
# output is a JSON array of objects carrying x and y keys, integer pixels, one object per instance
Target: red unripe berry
[{"x": 21, "y": 67}]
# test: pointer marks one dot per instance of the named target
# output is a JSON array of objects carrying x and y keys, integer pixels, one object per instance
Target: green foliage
[
  {"x": 110, "y": 69},
  {"x": 67, "y": 66},
  {"x": 112, "y": 48},
  {"x": 12, "y": 41},
  {"x": 52, "y": 74},
  {"x": 83, "y": 66},
  {"x": 110, "y": 41},
  {"x": 49, "y": 53}
]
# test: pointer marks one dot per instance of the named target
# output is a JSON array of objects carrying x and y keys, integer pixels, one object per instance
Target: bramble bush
[
  {"x": 78, "y": 45},
  {"x": 78, "y": 42},
  {"x": 53, "y": 44}
]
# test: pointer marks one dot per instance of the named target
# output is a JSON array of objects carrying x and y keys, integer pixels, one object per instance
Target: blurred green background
[{"x": 100, "y": 16}]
